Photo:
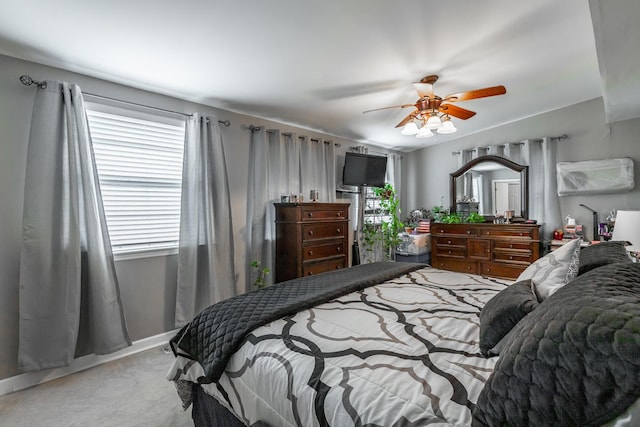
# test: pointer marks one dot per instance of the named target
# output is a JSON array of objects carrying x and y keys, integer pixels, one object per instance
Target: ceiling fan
[{"x": 434, "y": 113}]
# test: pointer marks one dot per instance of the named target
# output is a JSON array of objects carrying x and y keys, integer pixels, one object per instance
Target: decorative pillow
[
  {"x": 501, "y": 313},
  {"x": 573, "y": 361},
  {"x": 554, "y": 270},
  {"x": 603, "y": 253}
]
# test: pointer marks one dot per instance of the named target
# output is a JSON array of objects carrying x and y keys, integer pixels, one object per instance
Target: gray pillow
[
  {"x": 502, "y": 312},
  {"x": 603, "y": 253}
]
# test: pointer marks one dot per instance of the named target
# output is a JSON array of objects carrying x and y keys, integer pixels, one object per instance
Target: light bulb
[
  {"x": 433, "y": 122},
  {"x": 424, "y": 132},
  {"x": 447, "y": 127},
  {"x": 410, "y": 129}
]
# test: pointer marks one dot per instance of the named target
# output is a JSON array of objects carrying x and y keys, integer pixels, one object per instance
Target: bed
[{"x": 403, "y": 344}]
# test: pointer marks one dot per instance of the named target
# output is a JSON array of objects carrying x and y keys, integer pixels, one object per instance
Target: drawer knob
[
  {"x": 468, "y": 267},
  {"x": 511, "y": 257},
  {"x": 338, "y": 214},
  {"x": 442, "y": 231},
  {"x": 339, "y": 249},
  {"x": 310, "y": 252},
  {"x": 310, "y": 214},
  {"x": 338, "y": 267},
  {"x": 310, "y": 232},
  {"x": 448, "y": 242},
  {"x": 310, "y": 273},
  {"x": 511, "y": 246},
  {"x": 338, "y": 230},
  {"x": 449, "y": 252},
  {"x": 468, "y": 231}
]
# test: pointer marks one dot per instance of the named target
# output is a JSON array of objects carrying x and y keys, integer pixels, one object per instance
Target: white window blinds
[{"x": 139, "y": 162}]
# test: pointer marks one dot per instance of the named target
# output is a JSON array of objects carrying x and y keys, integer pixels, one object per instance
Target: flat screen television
[{"x": 364, "y": 169}]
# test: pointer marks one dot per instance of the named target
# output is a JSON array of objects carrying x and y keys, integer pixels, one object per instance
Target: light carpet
[{"x": 131, "y": 391}]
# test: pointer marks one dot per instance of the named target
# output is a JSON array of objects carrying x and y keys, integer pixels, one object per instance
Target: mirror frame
[{"x": 524, "y": 182}]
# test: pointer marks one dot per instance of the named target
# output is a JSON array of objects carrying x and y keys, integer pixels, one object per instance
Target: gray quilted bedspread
[{"x": 216, "y": 333}]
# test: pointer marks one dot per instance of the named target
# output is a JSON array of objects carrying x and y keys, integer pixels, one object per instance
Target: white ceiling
[{"x": 319, "y": 64}]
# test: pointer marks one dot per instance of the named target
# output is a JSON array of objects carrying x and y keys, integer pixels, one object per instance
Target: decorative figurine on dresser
[{"x": 311, "y": 238}]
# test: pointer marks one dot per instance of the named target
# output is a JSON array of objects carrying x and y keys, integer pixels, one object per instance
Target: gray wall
[
  {"x": 590, "y": 138},
  {"x": 148, "y": 284}
]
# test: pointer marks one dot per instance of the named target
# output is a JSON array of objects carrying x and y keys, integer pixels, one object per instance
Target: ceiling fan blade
[
  {"x": 478, "y": 93},
  {"x": 455, "y": 111},
  {"x": 407, "y": 119},
  {"x": 387, "y": 108},
  {"x": 425, "y": 90}
]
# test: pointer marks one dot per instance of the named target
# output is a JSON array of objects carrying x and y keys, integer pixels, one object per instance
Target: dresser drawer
[
  {"x": 512, "y": 244},
  {"x": 502, "y": 270},
  {"x": 450, "y": 251},
  {"x": 323, "y": 251},
  {"x": 512, "y": 256},
  {"x": 310, "y": 213},
  {"x": 440, "y": 229},
  {"x": 515, "y": 232},
  {"x": 450, "y": 241},
  {"x": 323, "y": 230},
  {"x": 455, "y": 265},
  {"x": 309, "y": 269}
]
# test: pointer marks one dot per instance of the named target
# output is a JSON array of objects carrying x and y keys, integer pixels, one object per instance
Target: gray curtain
[
  {"x": 281, "y": 164},
  {"x": 66, "y": 254},
  {"x": 544, "y": 205},
  {"x": 317, "y": 168},
  {"x": 206, "y": 272}
]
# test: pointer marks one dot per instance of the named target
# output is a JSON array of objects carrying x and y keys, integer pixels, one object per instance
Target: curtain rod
[
  {"x": 253, "y": 128},
  {"x": 556, "y": 138},
  {"x": 28, "y": 81}
]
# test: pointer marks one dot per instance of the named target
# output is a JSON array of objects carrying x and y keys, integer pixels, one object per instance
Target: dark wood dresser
[
  {"x": 311, "y": 238},
  {"x": 495, "y": 250}
]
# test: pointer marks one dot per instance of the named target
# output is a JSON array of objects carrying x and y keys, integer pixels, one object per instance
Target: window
[{"x": 139, "y": 162}]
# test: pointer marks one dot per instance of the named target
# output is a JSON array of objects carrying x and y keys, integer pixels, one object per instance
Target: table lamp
[{"x": 627, "y": 228}]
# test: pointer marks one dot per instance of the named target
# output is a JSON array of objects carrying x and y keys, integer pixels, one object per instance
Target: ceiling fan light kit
[{"x": 434, "y": 113}]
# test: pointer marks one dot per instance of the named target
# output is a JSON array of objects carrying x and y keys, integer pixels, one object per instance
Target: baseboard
[{"x": 30, "y": 379}]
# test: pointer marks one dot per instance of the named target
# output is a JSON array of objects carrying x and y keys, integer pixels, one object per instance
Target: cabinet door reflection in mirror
[{"x": 490, "y": 185}]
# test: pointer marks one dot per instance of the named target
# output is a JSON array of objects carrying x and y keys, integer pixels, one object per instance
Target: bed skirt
[{"x": 207, "y": 411}]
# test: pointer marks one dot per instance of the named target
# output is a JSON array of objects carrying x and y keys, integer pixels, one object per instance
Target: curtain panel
[
  {"x": 68, "y": 280},
  {"x": 206, "y": 272},
  {"x": 281, "y": 164}
]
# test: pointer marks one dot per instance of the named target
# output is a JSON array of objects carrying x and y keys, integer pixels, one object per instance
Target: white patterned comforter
[{"x": 402, "y": 353}]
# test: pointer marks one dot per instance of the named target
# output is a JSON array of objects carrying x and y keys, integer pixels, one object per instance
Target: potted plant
[
  {"x": 260, "y": 274},
  {"x": 412, "y": 220},
  {"x": 380, "y": 236},
  {"x": 390, "y": 227}
]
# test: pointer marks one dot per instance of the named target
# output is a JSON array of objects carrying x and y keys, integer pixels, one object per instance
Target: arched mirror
[{"x": 490, "y": 186}]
